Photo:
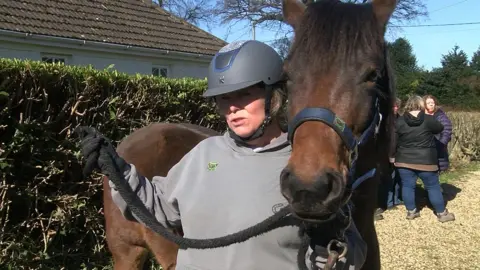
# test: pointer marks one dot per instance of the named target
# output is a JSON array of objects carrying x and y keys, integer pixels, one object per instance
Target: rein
[{"x": 282, "y": 218}]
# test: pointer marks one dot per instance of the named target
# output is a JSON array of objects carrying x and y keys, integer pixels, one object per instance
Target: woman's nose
[{"x": 233, "y": 108}]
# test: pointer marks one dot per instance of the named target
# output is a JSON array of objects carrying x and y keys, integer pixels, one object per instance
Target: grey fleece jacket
[{"x": 220, "y": 188}]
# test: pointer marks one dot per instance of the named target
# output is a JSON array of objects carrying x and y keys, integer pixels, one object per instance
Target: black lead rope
[{"x": 279, "y": 219}]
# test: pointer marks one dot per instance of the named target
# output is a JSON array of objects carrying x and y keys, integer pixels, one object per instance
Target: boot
[
  {"x": 413, "y": 214},
  {"x": 445, "y": 216}
]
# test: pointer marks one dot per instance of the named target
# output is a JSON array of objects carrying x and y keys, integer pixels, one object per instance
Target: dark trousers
[{"x": 389, "y": 191}]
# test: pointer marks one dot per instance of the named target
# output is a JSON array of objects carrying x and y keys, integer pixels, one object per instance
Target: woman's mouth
[{"x": 238, "y": 121}]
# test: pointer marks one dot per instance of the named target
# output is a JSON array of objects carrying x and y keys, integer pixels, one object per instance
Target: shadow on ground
[{"x": 421, "y": 196}]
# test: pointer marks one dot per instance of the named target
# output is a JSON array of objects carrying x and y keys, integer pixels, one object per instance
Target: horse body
[{"x": 153, "y": 149}]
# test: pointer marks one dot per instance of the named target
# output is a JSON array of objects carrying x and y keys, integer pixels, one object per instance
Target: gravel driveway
[{"x": 425, "y": 243}]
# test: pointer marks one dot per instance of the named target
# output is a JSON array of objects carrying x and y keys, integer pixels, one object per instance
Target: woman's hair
[
  {"x": 278, "y": 106},
  {"x": 434, "y": 100},
  {"x": 414, "y": 103},
  {"x": 398, "y": 102}
]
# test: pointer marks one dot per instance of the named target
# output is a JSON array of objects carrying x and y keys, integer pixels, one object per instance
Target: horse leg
[
  {"x": 369, "y": 234},
  {"x": 128, "y": 257},
  {"x": 165, "y": 252},
  {"x": 363, "y": 216},
  {"x": 124, "y": 238}
]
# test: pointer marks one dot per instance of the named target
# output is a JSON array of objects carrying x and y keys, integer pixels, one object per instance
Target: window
[
  {"x": 53, "y": 59},
  {"x": 160, "y": 71}
]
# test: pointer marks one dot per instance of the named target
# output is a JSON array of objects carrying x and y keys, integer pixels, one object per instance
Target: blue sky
[{"x": 429, "y": 43}]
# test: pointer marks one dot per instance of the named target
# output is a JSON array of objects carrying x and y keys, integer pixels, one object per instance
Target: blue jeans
[
  {"x": 432, "y": 185},
  {"x": 389, "y": 190},
  {"x": 394, "y": 189}
]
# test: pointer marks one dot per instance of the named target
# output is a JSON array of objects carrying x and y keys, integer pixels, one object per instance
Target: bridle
[
  {"x": 329, "y": 118},
  {"x": 326, "y": 116},
  {"x": 344, "y": 215}
]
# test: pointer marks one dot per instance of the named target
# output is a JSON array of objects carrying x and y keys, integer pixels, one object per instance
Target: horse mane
[{"x": 337, "y": 28}]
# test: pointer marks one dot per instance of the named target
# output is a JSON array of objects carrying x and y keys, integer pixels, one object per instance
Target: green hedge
[{"x": 51, "y": 217}]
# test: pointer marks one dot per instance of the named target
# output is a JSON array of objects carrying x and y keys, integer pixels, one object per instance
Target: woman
[
  {"x": 444, "y": 137},
  {"x": 241, "y": 189},
  {"x": 394, "y": 196},
  {"x": 390, "y": 188},
  {"x": 416, "y": 156}
]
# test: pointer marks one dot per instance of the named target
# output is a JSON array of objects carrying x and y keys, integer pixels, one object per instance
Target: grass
[{"x": 457, "y": 172}]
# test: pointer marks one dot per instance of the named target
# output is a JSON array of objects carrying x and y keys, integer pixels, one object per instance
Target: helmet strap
[{"x": 266, "y": 122}]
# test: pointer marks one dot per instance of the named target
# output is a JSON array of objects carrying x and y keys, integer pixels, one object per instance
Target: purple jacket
[{"x": 442, "y": 139}]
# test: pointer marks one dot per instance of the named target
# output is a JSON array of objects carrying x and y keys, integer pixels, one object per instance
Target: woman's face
[
  {"x": 243, "y": 110},
  {"x": 430, "y": 105}
]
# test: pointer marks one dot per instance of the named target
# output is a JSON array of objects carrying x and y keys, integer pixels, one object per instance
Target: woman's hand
[{"x": 98, "y": 151}]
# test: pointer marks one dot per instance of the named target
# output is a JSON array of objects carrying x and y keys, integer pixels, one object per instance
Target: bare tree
[
  {"x": 282, "y": 45},
  {"x": 267, "y": 14},
  {"x": 407, "y": 10},
  {"x": 192, "y": 11},
  {"x": 259, "y": 13}
]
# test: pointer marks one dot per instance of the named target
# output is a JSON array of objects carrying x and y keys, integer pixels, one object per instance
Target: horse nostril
[
  {"x": 322, "y": 186},
  {"x": 329, "y": 185},
  {"x": 285, "y": 178}
]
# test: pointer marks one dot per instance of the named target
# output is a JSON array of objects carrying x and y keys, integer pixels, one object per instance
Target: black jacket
[
  {"x": 415, "y": 139},
  {"x": 393, "y": 141}
]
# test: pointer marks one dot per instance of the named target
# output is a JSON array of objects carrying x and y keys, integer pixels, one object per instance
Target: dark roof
[{"x": 130, "y": 22}]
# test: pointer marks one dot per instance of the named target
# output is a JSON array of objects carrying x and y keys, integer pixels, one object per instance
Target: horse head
[{"x": 339, "y": 100}]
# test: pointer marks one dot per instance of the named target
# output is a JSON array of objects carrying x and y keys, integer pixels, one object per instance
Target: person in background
[
  {"x": 416, "y": 156},
  {"x": 443, "y": 138},
  {"x": 390, "y": 187}
]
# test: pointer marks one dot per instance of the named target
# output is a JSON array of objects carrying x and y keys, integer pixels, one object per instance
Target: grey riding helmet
[{"x": 242, "y": 64}]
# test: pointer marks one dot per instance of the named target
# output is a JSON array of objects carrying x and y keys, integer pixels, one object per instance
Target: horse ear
[
  {"x": 383, "y": 10},
  {"x": 293, "y": 11}
]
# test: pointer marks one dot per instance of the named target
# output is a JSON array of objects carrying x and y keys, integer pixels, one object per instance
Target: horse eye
[{"x": 371, "y": 76}]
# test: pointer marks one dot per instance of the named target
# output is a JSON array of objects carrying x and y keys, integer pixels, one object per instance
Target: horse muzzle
[{"x": 317, "y": 199}]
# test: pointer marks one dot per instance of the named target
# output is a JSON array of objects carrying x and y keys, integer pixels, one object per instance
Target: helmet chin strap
[{"x": 266, "y": 122}]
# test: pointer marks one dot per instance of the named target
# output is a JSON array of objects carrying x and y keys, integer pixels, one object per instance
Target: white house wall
[{"x": 123, "y": 62}]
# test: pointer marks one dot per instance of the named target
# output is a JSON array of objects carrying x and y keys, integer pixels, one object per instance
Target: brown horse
[
  {"x": 153, "y": 149},
  {"x": 337, "y": 62},
  {"x": 337, "y": 71}
]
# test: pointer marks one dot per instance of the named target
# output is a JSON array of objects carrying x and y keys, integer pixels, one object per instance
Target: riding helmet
[{"x": 241, "y": 64}]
